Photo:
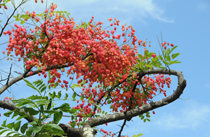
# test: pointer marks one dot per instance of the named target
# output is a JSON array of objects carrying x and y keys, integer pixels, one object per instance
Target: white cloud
[
  {"x": 192, "y": 115},
  {"x": 126, "y": 11},
  {"x": 202, "y": 6},
  {"x": 133, "y": 10}
]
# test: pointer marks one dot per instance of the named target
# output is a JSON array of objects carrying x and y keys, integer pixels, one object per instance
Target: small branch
[
  {"x": 10, "y": 18},
  {"x": 122, "y": 128},
  {"x": 9, "y": 75}
]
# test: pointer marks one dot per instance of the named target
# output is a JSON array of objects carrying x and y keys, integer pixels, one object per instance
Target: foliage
[{"x": 91, "y": 53}]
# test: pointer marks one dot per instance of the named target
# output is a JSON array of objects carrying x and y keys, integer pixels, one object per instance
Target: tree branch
[
  {"x": 28, "y": 75},
  {"x": 147, "y": 107},
  {"x": 12, "y": 107},
  {"x": 10, "y": 18}
]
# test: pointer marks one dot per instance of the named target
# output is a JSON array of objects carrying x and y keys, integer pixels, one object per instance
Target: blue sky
[{"x": 183, "y": 23}]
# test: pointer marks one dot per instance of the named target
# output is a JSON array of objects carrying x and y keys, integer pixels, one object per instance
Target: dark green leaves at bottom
[
  {"x": 57, "y": 116},
  {"x": 17, "y": 126},
  {"x": 23, "y": 128}
]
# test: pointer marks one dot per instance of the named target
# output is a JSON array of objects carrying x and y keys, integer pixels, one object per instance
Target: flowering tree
[{"x": 122, "y": 77}]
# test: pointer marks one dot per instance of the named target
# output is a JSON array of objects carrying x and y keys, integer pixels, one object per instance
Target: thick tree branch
[
  {"x": 147, "y": 107},
  {"x": 75, "y": 132},
  {"x": 12, "y": 107}
]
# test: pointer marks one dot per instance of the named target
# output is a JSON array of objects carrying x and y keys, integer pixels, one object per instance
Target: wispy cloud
[
  {"x": 193, "y": 115},
  {"x": 203, "y": 6},
  {"x": 124, "y": 10}
]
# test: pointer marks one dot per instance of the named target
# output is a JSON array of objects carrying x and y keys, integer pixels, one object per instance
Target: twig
[
  {"x": 9, "y": 74},
  {"x": 10, "y": 18}
]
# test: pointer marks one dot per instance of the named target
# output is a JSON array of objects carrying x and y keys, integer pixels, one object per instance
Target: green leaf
[
  {"x": 8, "y": 113},
  {"x": 55, "y": 127},
  {"x": 17, "y": 126},
  {"x": 142, "y": 117},
  {"x": 38, "y": 82},
  {"x": 148, "y": 120},
  {"x": 10, "y": 125},
  {"x": 16, "y": 135},
  {"x": 3, "y": 131},
  {"x": 22, "y": 22},
  {"x": 36, "y": 129},
  {"x": 59, "y": 95},
  {"x": 30, "y": 85},
  {"x": 168, "y": 58},
  {"x": 20, "y": 117},
  {"x": 74, "y": 95},
  {"x": 73, "y": 124},
  {"x": 49, "y": 87},
  {"x": 89, "y": 98},
  {"x": 175, "y": 62},
  {"x": 146, "y": 53},
  {"x": 49, "y": 104},
  {"x": 43, "y": 85},
  {"x": 9, "y": 133},
  {"x": 23, "y": 128},
  {"x": 74, "y": 86},
  {"x": 57, "y": 116},
  {"x": 52, "y": 96},
  {"x": 99, "y": 77},
  {"x": 173, "y": 49},
  {"x": 167, "y": 52},
  {"x": 24, "y": 102},
  {"x": 161, "y": 58},
  {"x": 4, "y": 123},
  {"x": 138, "y": 135},
  {"x": 56, "y": 84},
  {"x": 82, "y": 97},
  {"x": 154, "y": 59},
  {"x": 148, "y": 65},
  {"x": 72, "y": 111},
  {"x": 31, "y": 111},
  {"x": 29, "y": 131},
  {"x": 34, "y": 97},
  {"x": 42, "y": 108},
  {"x": 64, "y": 107},
  {"x": 165, "y": 62},
  {"x": 42, "y": 102},
  {"x": 109, "y": 102},
  {"x": 43, "y": 89},
  {"x": 175, "y": 55},
  {"x": 145, "y": 120},
  {"x": 23, "y": 16}
]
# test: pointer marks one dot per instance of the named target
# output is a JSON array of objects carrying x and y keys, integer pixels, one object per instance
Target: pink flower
[
  {"x": 37, "y": 19},
  {"x": 31, "y": 72},
  {"x": 153, "y": 55}
]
